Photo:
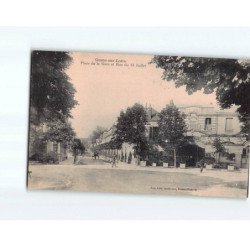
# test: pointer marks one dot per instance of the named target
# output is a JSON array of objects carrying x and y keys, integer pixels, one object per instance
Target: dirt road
[{"x": 98, "y": 176}]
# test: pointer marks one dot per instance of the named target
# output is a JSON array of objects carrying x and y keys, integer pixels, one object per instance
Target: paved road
[{"x": 97, "y": 175}]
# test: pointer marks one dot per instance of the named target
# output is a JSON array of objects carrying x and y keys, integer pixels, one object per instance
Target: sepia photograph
[{"x": 139, "y": 124}]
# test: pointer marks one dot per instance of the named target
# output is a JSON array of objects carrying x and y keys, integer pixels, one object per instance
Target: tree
[
  {"x": 131, "y": 128},
  {"x": 51, "y": 99},
  {"x": 97, "y": 133},
  {"x": 172, "y": 127},
  {"x": 219, "y": 148},
  {"x": 77, "y": 148},
  {"x": 51, "y": 92},
  {"x": 56, "y": 131},
  {"x": 59, "y": 131},
  {"x": 229, "y": 78},
  {"x": 86, "y": 143}
]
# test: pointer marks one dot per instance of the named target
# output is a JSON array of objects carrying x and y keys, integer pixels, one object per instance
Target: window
[
  {"x": 244, "y": 152},
  {"x": 55, "y": 147},
  {"x": 193, "y": 122},
  {"x": 229, "y": 124},
  {"x": 153, "y": 132},
  {"x": 208, "y": 124}
]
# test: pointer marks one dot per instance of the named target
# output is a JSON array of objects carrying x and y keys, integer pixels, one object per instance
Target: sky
[{"x": 107, "y": 83}]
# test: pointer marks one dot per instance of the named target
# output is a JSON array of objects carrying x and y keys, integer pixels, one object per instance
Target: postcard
[{"x": 139, "y": 124}]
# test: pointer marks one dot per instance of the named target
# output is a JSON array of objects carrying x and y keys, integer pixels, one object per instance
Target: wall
[{"x": 222, "y": 124}]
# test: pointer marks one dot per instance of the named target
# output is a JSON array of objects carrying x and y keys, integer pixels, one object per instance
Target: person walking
[
  {"x": 202, "y": 166},
  {"x": 114, "y": 161}
]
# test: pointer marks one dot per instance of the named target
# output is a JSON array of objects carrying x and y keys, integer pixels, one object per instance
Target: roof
[{"x": 152, "y": 114}]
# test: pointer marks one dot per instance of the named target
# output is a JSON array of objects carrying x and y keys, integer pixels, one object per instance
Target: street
[{"x": 99, "y": 176}]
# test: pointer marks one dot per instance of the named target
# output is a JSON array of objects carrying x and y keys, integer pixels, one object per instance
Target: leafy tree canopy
[
  {"x": 51, "y": 92},
  {"x": 59, "y": 131},
  {"x": 172, "y": 126},
  {"x": 97, "y": 133},
  {"x": 77, "y": 147},
  {"x": 229, "y": 78},
  {"x": 131, "y": 128},
  {"x": 219, "y": 147}
]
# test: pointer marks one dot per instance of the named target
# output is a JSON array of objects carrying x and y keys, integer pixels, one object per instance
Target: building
[
  {"x": 39, "y": 147},
  {"x": 204, "y": 124},
  {"x": 207, "y": 120}
]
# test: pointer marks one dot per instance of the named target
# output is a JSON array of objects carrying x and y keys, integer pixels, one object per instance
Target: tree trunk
[
  {"x": 138, "y": 155},
  {"x": 138, "y": 160},
  {"x": 75, "y": 159},
  {"x": 217, "y": 157},
  {"x": 174, "y": 157}
]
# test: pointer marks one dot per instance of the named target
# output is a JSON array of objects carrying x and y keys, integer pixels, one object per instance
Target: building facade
[
  {"x": 38, "y": 147},
  {"x": 204, "y": 124}
]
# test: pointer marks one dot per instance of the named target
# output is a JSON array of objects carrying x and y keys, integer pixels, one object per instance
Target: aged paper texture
[{"x": 144, "y": 124}]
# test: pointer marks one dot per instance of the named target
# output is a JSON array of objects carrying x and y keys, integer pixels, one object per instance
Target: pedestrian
[
  {"x": 202, "y": 166},
  {"x": 75, "y": 153},
  {"x": 114, "y": 161},
  {"x": 96, "y": 155}
]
